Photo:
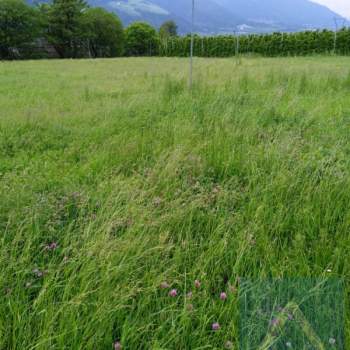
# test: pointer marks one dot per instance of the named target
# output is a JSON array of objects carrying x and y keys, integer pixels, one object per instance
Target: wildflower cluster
[{"x": 197, "y": 285}]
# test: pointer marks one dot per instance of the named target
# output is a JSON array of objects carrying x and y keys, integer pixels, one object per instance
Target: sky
[{"x": 340, "y": 6}]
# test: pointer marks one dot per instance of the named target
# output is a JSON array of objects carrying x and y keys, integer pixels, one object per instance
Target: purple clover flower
[{"x": 215, "y": 326}]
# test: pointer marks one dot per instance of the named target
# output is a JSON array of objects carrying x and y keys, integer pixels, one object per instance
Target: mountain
[
  {"x": 225, "y": 16},
  {"x": 284, "y": 14},
  {"x": 210, "y": 18}
]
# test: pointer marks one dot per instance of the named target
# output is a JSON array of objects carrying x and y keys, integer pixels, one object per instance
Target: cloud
[{"x": 340, "y": 6}]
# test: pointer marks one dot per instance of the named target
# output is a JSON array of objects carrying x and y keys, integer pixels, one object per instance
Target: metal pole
[
  {"x": 235, "y": 43},
  {"x": 335, "y": 35},
  {"x": 336, "y": 31},
  {"x": 192, "y": 44}
]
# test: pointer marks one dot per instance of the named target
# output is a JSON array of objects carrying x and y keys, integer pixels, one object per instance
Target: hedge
[{"x": 276, "y": 44}]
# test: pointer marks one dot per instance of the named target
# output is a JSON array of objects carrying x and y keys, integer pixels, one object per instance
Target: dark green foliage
[
  {"x": 168, "y": 29},
  {"x": 141, "y": 40},
  {"x": 275, "y": 44},
  {"x": 104, "y": 33},
  {"x": 19, "y": 27},
  {"x": 65, "y": 27}
]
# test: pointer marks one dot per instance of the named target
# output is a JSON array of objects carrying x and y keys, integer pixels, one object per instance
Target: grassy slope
[{"x": 139, "y": 184}]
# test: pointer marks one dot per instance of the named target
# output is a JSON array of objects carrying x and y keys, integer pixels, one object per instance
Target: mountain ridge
[{"x": 225, "y": 16}]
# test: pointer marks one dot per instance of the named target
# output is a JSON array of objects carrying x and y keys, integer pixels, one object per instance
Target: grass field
[{"x": 114, "y": 179}]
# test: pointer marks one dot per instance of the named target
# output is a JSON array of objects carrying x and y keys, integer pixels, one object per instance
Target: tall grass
[{"x": 139, "y": 182}]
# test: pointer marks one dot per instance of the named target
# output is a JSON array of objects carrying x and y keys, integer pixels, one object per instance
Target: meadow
[{"x": 131, "y": 209}]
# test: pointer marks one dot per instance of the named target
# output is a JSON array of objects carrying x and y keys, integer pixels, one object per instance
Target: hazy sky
[{"x": 340, "y": 6}]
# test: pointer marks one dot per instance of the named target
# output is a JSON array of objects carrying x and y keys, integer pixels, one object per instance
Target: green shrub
[
  {"x": 141, "y": 40},
  {"x": 104, "y": 33}
]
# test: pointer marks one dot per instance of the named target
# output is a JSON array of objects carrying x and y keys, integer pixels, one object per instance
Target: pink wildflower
[
  {"x": 223, "y": 296},
  {"x": 173, "y": 293}
]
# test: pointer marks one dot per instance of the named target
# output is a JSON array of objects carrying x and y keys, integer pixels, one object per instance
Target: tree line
[{"x": 76, "y": 30}]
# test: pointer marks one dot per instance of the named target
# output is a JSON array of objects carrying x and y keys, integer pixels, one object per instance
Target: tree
[
  {"x": 65, "y": 27},
  {"x": 168, "y": 29},
  {"x": 19, "y": 27},
  {"x": 104, "y": 33},
  {"x": 141, "y": 40}
]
